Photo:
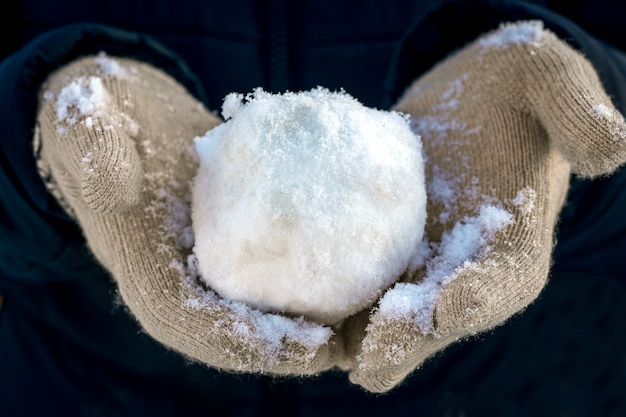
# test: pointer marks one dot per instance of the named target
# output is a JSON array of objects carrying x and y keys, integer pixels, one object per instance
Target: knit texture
[
  {"x": 507, "y": 119},
  {"x": 115, "y": 141}
]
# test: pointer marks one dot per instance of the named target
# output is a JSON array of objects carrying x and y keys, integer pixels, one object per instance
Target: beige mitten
[
  {"x": 116, "y": 146},
  {"x": 503, "y": 123}
]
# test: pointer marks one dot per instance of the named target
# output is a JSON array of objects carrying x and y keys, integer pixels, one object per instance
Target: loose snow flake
[
  {"x": 525, "y": 200},
  {"x": 450, "y": 97},
  {"x": 109, "y": 66},
  {"x": 610, "y": 117},
  {"x": 601, "y": 111},
  {"x": 517, "y": 33}
]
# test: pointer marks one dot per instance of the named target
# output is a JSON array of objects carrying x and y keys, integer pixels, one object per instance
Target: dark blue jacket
[{"x": 68, "y": 347}]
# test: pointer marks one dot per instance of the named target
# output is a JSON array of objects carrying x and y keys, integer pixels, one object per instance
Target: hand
[
  {"x": 117, "y": 145},
  {"x": 504, "y": 122}
]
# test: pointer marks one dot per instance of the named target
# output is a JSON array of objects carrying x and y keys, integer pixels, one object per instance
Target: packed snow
[
  {"x": 83, "y": 97},
  {"x": 466, "y": 242},
  {"x": 307, "y": 203}
]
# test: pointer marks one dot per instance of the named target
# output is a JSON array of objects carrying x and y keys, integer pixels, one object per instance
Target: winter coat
[{"x": 68, "y": 346}]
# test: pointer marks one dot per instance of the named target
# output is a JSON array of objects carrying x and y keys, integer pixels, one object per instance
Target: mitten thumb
[
  {"x": 87, "y": 139},
  {"x": 111, "y": 177},
  {"x": 567, "y": 96}
]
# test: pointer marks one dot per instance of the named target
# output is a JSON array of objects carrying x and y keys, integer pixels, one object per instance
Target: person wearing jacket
[{"x": 85, "y": 328}]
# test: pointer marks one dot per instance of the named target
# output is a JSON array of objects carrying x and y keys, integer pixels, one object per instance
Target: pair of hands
[{"x": 503, "y": 123}]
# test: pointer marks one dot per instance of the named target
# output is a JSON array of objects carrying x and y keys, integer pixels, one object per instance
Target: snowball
[{"x": 307, "y": 203}]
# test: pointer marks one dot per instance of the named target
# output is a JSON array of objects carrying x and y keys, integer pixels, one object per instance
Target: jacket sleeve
[
  {"x": 592, "y": 229},
  {"x": 38, "y": 241}
]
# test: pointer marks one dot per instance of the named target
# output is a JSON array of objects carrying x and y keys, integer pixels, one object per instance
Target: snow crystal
[
  {"x": 529, "y": 32},
  {"x": 438, "y": 127},
  {"x": 186, "y": 238},
  {"x": 233, "y": 103},
  {"x": 87, "y": 162},
  {"x": 308, "y": 203},
  {"x": 412, "y": 301},
  {"x": 109, "y": 66},
  {"x": 87, "y": 158},
  {"x": 274, "y": 330},
  {"x": 525, "y": 200},
  {"x": 612, "y": 117},
  {"x": 450, "y": 97},
  {"x": 176, "y": 224},
  {"x": 601, "y": 110},
  {"x": 466, "y": 242},
  {"x": 85, "y": 96}
]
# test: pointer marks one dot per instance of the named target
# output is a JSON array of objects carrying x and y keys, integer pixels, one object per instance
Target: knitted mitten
[
  {"x": 115, "y": 145},
  {"x": 503, "y": 123}
]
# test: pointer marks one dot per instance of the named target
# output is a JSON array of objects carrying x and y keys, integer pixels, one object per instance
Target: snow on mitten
[
  {"x": 115, "y": 141},
  {"x": 503, "y": 123}
]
